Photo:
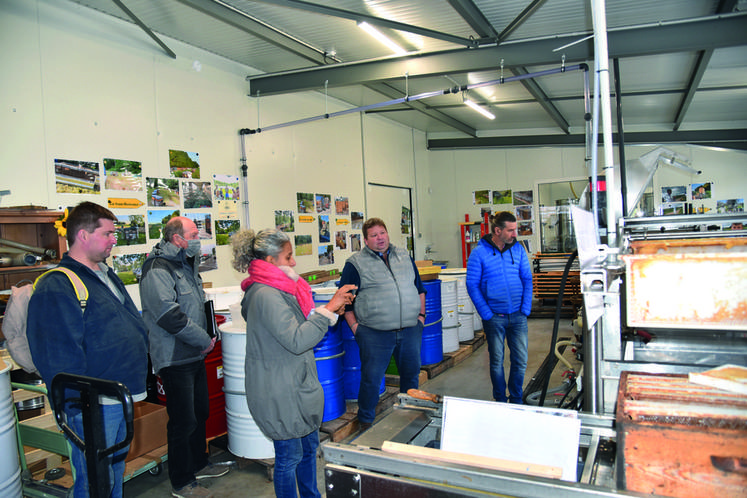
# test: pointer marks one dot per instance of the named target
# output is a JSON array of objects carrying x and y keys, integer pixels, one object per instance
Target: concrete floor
[{"x": 469, "y": 379}]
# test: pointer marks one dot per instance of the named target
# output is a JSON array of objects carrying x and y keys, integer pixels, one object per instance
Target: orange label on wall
[
  {"x": 124, "y": 203},
  {"x": 305, "y": 218}
]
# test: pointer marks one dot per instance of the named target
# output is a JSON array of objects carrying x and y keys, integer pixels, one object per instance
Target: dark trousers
[{"x": 188, "y": 406}]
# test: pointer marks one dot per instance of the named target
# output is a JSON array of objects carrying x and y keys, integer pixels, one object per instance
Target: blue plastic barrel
[
  {"x": 351, "y": 364},
  {"x": 329, "y": 354},
  {"x": 431, "y": 348}
]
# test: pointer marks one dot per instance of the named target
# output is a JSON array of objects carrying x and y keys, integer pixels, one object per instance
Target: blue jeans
[
  {"x": 188, "y": 406},
  {"x": 295, "y": 463},
  {"x": 511, "y": 328},
  {"x": 376, "y": 349},
  {"x": 115, "y": 431}
]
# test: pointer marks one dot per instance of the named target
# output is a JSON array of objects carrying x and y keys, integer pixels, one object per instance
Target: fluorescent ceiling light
[
  {"x": 479, "y": 109},
  {"x": 381, "y": 38}
]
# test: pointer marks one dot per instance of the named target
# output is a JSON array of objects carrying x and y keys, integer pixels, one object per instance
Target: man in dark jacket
[
  {"x": 499, "y": 282},
  {"x": 174, "y": 311},
  {"x": 107, "y": 341}
]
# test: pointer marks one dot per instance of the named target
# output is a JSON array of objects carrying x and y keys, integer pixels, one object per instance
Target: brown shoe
[
  {"x": 364, "y": 426},
  {"x": 191, "y": 490}
]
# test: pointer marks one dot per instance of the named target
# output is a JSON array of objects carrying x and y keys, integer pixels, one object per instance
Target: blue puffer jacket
[
  {"x": 108, "y": 342},
  {"x": 499, "y": 281}
]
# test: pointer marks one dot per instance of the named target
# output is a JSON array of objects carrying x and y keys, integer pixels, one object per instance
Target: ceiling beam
[
  {"x": 523, "y": 16},
  {"x": 682, "y": 36},
  {"x": 543, "y": 100},
  {"x": 377, "y": 21},
  {"x": 417, "y": 105},
  {"x": 254, "y": 27},
  {"x": 729, "y": 139},
  {"x": 145, "y": 28},
  {"x": 474, "y": 17}
]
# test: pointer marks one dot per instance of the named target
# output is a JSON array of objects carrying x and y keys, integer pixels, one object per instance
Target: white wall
[{"x": 80, "y": 85}]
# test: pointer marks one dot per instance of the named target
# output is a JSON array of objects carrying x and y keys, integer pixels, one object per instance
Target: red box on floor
[{"x": 149, "y": 423}]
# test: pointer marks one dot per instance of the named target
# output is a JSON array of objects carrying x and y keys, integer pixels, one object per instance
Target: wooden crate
[{"x": 676, "y": 438}]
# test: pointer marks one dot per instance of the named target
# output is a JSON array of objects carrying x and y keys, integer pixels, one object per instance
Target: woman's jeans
[
  {"x": 295, "y": 463},
  {"x": 511, "y": 328},
  {"x": 376, "y": 349},
  {"x": 115, "y": 431}
]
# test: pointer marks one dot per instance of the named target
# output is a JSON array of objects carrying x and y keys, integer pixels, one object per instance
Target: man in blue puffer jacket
[{"x": 499, "y": 282}]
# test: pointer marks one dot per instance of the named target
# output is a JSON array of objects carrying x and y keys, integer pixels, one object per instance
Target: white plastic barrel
[
  {"x": 464, "y": 303},
  {"x": 245, "y": 439},
  {"x": 10, "y": 467},
  {"x": 450, "y": 314}
]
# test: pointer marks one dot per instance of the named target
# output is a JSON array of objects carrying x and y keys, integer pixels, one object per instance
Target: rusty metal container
[
  {"x": 676, "y": 438},
  {"x": 687, "y": 283}
]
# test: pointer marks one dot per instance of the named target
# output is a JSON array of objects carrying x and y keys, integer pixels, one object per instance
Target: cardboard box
[{"x": 149, "y": 421}]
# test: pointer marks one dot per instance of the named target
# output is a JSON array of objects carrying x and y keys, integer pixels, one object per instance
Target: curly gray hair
[{"x": 248, "y": 246}]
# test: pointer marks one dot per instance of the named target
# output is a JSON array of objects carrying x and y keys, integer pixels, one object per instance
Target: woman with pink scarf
[{"x": 283, "y": 391}]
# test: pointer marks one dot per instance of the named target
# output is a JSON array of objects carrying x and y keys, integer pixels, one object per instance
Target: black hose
[{"x": 558, "y": 309}]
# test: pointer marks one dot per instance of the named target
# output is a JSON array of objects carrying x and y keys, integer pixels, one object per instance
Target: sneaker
[
  {"x": 211, "y": 470},
  {"x": 191, "y": 490}
]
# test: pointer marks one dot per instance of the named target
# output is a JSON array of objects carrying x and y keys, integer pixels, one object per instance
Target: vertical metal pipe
[
  {"x": 620, "y": 138},
  {"x": 244, "y": 183},
  {"x": 601, "y": 56}
]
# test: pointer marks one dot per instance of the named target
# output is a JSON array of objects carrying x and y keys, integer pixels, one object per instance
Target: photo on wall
[
  {"x": 130, "y": 229},
  {"x": 356, "y": 220},
  {"x": 326, "y": 255},
  {"x": 208, "y": 260},
  {"x": 226, "y": 188},
  {"x": 76, "y": 177},
  {"x": 224, "y": 229},
  {"x": 123, "y": 175},
  {"x": 284, "y": 221},
  {"x": 342, "y": 206},
  {"x": 323, "y": 203},
  {"x": 184, "y": 164},
  {"x": 162, "y": 192},
  {"x": 128, "y": 267},
  {"x": 324, "y": 235},
  {"x": 676, "y": 193},
  {"x": 525, "y": 228},
  {"x": 341, "y": 241},
  {"x": 303, "y": 245},
  {"x": 481, "y": 197},
  {"x": 204, "y": 224},
  {"x": 157, "y": 219},
  {"x": 355, "y": 242},
  {"x": 405, "y": 220},
  {"x": 523, "y": 197},
  {"x": 730, "y": 206},
  {"x": 700, "y": 190},
  {"x": 524, "y": 213},
  {"x": 503, "y": 196},
  {"x": 673, "y": 208},
  {"x": 305, "y": 202},
  {"x": 197, "y": 195}
]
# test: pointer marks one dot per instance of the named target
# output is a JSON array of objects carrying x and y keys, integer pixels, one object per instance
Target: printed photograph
[
  {"x": 76, "y": 177},
  {"x": 162, "y": 192},
  {"x": 130, "y": 229},
  {"x": 326, "y": 255},
  {"x": 323, "y": 203},
  {"x": 700, "y": 191},
  {"x": 224, "y": 229},
  {"x": 128, "y": 267},
  {"x": 523, "y": 197},
  {"x": 204, "y": 224},
  {"x": 184, "y": 164},
  {"x": 730, "y": 206},
  {"x": 673, "y": 208},
  {"x": 355, "y": 242},
  {"x": 503, "y": 197},
  {"x": 525, "y": 228},
  {"x": 303, "y": 245},
  {"x": 342, "y": 206},
  {"x": 305, "y": 202},
  {"x": 481, "y": 197},
  {"x": 356, "y": 220},
  {"x": 324, "y": 228},
  {"x": 524, "y": 213},
  {"x": 677, "y": 193},
  {"x": 226, "y": 188},
  {"x": 197, "y": 195},
  {"x": 208, "y": 260},
  {"x": 123, "y": 175},
  {"x": 284, "y": 221},
  {"x": 157, "y": 218},
  {"x": 341, "y": 240}
]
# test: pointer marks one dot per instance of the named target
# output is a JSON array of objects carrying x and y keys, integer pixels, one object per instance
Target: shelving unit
[
  {"x": 470, "y": 234},
  {"x": 32, "y": 227}
]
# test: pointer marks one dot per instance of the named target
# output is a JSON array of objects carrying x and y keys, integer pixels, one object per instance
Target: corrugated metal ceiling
[{"x": 675, "y": 88}]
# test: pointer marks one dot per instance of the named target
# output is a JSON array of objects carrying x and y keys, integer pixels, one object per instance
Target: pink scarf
[{"x": 262, "y": 272}]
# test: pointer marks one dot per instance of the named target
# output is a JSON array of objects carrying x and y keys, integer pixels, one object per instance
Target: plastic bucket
[
  {"x": 449, "y": 302},
  {"x": 245, "y": 439},
  {"x": 10, "y": 467},
  {"x": 329, "y": 356},
  {"x": 351, "y": 365},
  {"x": 216, "y": 422},
  {"x": 431, "y": 347}
]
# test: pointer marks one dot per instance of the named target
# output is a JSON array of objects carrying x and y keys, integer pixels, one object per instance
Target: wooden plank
[{"x": 472, "y": 460}]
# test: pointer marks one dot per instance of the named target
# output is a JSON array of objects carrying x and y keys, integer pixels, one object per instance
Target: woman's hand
[{"x": 342, "y": 298}]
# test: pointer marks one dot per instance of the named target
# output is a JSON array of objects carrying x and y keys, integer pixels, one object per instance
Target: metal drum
[
  {"x": 431, "y": 347},
  {"x": 10, "y": 468},
  {"x": 450, "y": 315},
  {"x": 351, "y": 365},
  {"x": 464, "y": 303},
  {"x": 245, "y": 439},
  {"x": 329, "y": 353}
]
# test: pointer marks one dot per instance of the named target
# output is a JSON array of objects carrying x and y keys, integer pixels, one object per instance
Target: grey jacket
[
  {"x": 173, "y": 305},
  {"x": 387, "y": 298},
  {"x": 283, "y": 391}
]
